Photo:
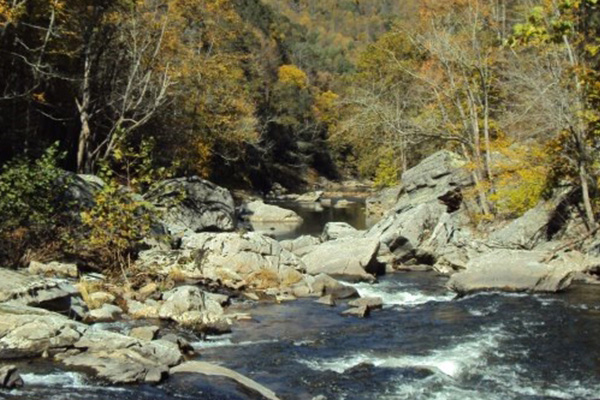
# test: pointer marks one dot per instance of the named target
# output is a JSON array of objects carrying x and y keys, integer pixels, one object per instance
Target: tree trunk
[{"x": 587, "y": 203}]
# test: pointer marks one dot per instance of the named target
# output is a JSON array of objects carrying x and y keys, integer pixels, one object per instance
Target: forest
[{"x": 252, "y": 93}]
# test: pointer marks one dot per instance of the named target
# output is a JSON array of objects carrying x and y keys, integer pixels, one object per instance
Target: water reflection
[{"x": 315, "y": 216}]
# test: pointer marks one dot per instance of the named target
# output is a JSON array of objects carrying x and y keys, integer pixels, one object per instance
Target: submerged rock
[
  {"x": 359, "y": 312},
  {"x": 371, "y": 303},
  {"x": 192, "y": 205},
  {"x": 204, "y": 368},
  {"x": 10, "y": 377}
]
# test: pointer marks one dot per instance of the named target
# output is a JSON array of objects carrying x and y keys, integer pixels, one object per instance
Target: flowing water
[{"x": 424, "y": 344}]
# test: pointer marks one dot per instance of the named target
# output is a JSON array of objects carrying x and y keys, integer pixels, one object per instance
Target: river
[{"x": 424, "y": 344}]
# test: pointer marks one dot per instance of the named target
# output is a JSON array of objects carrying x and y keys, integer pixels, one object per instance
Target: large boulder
[
  {"x": 192, "y": 204},
  {"x": 80, "y": 190},
  {"x": 438, "y": 177},
  {"x": 406, "y": 230},
  {"x": 123, "y": 359},
  {"x": 18, "y": 288},
  {"x": 27, "y": 332},
  {"x": 231, "y": 259},
  {"x": 521, "y": 271},
  {"x": 346, "y": 259},
  {"x": 257, "y": 211}
]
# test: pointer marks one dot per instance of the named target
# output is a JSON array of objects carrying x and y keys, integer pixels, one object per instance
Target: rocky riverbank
[{"x": 197, "y": 264}]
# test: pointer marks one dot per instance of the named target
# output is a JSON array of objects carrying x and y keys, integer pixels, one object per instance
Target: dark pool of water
[{"x": 315, "y": 216}]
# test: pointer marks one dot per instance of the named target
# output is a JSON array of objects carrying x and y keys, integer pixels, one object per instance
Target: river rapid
[{"x": 424, "y": 344}]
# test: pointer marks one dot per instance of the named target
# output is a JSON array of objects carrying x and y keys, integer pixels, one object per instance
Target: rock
[
  {"x": 147, "y": 290},
  {"x": 328, "y": 300},
  {"x": 146, "y": 333},
  {"x": 139, "y": 310},
  {"x": 436, "y": 178},
  {"x": 122, "y": 359},
  {"x": 190, "y": 306},
  {"x": 10, "y": 377},
  {"x": 204, "y": 368},
  {"x": 18, "y": 288},
  {"x": 520, "y": 271},
  {"x": 80, "y": 190},
  {"x": 299, "y": 245},
  {"x": 370, "y": 302},
  {"x": 405, "y": 231},
  {"x": 339, "y": 230},
  {"x": 348, "y": 259},
  {"x": 192, "y": 205},
  {"x": 183, "y": 345},
  {"x": 324, "y": 285},
  {"x": 106, "y": 313},
  {"x": 261, "y": 212},
  {"x": 360, "y": 312},
  {"x": 54, "y": 268},
  {"x": 27, "y": 332},
  {"x": 381, "y": 203},
  {"x": 342, "y": 203},
  {"x": 311, "y": 197},
  {"x": 230, "y": 259},
  {"x": 98, "y": 299}
]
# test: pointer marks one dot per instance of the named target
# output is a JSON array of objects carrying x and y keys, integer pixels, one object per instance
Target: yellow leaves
[
  {"x": 325, "y": 107},
  {"x": 292, "y": 75}
]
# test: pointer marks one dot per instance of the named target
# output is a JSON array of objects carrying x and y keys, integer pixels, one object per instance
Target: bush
[
  {"x": 112, "y": 229},
  {"x": 386, "y": 174},
  {"x": 30, "y": 209}
]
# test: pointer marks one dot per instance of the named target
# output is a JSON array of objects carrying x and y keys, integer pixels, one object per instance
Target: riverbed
[{"x": 423, "y": 344}]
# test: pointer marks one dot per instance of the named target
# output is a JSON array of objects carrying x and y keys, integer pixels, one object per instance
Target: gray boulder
[
  {"x": 347, "y": 259},
  {"x": 192, "y": 205},
  {"x": 339, "y": 230},
  {"x": 406, "y": 230},
  {"x": 27, "y": 332},
  {"x": 146, "y": 333},
  {"x": 122, "y": 359},
  {"x": 106, "y": 313},
  {"x": 521, "y": 271},
  {"x": 370, "y": 302},
  {"x": 17, "y": 288},
  {"x": 359, "y": 312},
  {"x": 438, "y": 177},
  {"x": 324, "y": 285}
]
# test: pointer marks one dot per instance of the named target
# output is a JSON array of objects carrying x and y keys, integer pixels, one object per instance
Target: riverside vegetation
[{"x": 479, "y": 117}]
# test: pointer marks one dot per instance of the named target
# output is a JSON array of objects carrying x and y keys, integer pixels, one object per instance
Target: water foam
[
  {"x": 62, "y": 379},
  {"x": 452, "y": 362},
  {"x": 395, "y": 294}
]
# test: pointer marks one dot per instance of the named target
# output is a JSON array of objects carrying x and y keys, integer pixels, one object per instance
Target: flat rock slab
[
  {"x": 520, "y": 271},
  {"x": 204, "y": 368},
  {"x": 19, "y": 288},
  {"x": 261, "y": 212}
]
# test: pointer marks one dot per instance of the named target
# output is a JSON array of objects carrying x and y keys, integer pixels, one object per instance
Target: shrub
[
  {"x": 112, "y": 229},
  {"x": 386, "y": 174},
  {"x": 30, "y": 209}
]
